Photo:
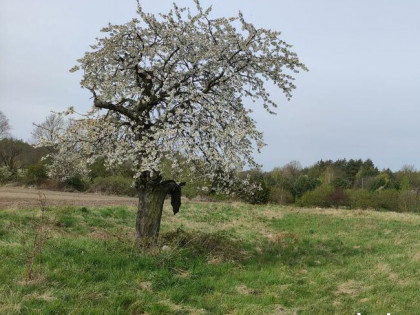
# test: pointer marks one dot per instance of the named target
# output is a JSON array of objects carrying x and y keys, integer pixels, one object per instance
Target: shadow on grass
[
  {"x": 285, "y": 248},
  {"x": 221, "y": 244}
]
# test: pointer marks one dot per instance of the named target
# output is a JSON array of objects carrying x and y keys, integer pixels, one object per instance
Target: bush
[
  {"x": 319, "y": 197},
  {"x": 339, "y": 197},
  {"x": 409, "y": 201},
  {"x": 117, "y": 185},
  {"x": 260, "y": 195},
  {"x": 36, "y": 173},
  {"x": 76, "y": 183},
  {"x": 256, "y": 195},
  {"x": 380, "y": 182},
  {"x": 195, "y": 189},
  {"x": 256, "y": 192},
  {"x": 5, "y": 174},
  {"x": 386, "y": 199},
  {"x": 280, "y": 196},
  {"x": 360, "y": 199},
  {"x": 303, "y": 184}
]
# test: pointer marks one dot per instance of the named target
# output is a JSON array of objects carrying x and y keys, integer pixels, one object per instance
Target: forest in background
[{"x": 353, "y": 183}]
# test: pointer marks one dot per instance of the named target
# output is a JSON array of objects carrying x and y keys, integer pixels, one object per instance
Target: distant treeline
[{"x": 341, "y": 183}]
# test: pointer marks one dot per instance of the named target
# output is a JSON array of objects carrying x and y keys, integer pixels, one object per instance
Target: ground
[
  {"x": 212, "y": 258},
  {"x": 19, "y": 197}
]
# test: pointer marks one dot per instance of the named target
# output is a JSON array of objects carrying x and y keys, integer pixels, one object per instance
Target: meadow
[{"x": 212, "y": 258}]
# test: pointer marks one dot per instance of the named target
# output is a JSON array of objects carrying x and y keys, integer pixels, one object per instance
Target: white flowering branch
[{"x": 176, "y": 84}]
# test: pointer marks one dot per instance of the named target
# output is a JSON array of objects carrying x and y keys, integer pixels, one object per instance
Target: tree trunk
[{"x": 149, "y": 213}]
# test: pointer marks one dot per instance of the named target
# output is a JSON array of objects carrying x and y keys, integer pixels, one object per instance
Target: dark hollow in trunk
[{"x": 149, "y": 213}]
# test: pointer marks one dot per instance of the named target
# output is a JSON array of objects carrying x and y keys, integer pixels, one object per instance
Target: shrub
[
  {"x": 380, "y": 182},
  {"x": 319, "y": 197},
  {"x": 117, "y": 185},
  {"x": 257, "y": 191},
  {"x": 339, "y": 197},
  {"x": 303, "y": 184},
  {"x": 5, "y": 174},
  {"x": 386, "y": 199},
  {"x": 280, "y": 196},
  {"x": 76, "y": 183},
  {"x": 195, "y": 189},
  {"x": 256, "y": 195},
  {"x": 360, "y": 199},
  {"x": 98, "y": 169},
  {"x": 409, "y": 201},
  {"x": 36, "y": 173}
]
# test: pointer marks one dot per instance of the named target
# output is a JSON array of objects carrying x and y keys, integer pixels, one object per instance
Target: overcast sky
[{"x": 359, "y": 100}]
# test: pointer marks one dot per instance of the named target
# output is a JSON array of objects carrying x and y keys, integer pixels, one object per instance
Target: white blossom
[{"x": 175, "y": 85}]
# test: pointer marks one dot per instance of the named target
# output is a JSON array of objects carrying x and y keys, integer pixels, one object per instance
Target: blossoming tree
[{"x": 175, "y": 85}]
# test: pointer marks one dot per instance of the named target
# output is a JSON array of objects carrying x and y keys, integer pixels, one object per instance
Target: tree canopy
[{"x": 177, "y": 84}]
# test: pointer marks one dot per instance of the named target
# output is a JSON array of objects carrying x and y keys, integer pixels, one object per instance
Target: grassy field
[{"x": 213, "y": 258}]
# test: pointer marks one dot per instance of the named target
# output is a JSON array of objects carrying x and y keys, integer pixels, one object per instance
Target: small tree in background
[
  {"x": 175, "y": 85},
  {"x": 16, "y": 154},
  {"x": 11, "y": 151},
  {"x": 4, "y": 126},
  {"x": 48, "y": 131},
  {"x": 338, "y": 197}
]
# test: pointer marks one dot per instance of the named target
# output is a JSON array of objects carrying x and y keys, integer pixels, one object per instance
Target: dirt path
[{"x": 18, "y": 197}]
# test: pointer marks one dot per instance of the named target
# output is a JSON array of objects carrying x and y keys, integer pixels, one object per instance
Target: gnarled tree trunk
[{"x": 151, "y": 198}]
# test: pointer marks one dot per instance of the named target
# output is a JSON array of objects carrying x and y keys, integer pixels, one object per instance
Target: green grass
[{"x": 213, "y": 258}]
